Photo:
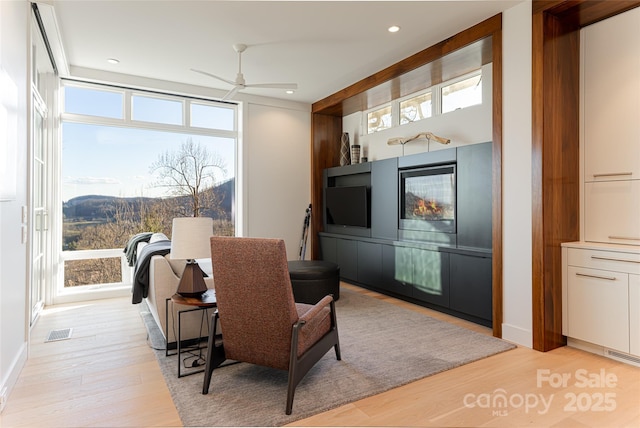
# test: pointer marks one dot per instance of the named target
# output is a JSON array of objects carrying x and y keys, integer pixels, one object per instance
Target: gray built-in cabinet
[{"x": 450, "y": 270}]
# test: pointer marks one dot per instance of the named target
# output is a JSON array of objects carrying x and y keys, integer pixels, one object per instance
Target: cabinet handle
[
  {"x": 614, "y": 260},
  {"x": 612, "y": 174},
  {"x": 608, "y": 278},
  {"x": 627, "y": 238}
]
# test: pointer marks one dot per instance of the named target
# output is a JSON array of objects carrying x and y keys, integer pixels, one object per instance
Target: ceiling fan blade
[
  {"x": 231, "y": 93},
  {"x": 214, "y": 76},
  {"x": 274, "y": 85}
]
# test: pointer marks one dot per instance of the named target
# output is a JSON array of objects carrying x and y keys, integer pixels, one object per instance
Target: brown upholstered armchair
[{"x": 260, "y": 322}]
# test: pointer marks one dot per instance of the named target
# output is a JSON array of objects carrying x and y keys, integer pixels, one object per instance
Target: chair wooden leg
[
  {"x": 334, "y": 325},
  {"x": 293, "y": 368},
  {"x": 215, "y": 354},
  {"x": 291, "y": 390}
]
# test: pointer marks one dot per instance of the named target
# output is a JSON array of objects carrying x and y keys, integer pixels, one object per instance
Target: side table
[{"x": 202, "y": 303}]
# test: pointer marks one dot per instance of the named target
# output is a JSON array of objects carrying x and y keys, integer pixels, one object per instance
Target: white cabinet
[
  {"x": 611, "y": 65},
  {"x": 611, "y": 129},
  {"x": 601, "y": 275},
  {"x": 612, "y": 212},
  {"x": 601, "y": 295}
]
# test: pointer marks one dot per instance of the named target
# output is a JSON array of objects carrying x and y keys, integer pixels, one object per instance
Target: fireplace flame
[{"x": 427, "y": 208}]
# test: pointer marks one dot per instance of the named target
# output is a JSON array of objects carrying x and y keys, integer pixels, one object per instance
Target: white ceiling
[{"x": 323, "y": 46}]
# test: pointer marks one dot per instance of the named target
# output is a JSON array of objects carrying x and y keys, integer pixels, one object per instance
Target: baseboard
[
  {"x": 13, "y": 373},
  {"x": 517, "y": 335}
]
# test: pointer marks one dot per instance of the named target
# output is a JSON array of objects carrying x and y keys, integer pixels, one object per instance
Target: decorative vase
[
  {"x": 345, "y": 159},
  {"x": 355, "y": 154}
]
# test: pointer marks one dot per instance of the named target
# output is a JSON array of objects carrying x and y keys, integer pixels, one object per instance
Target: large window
[{"x": 131, "y": 162}]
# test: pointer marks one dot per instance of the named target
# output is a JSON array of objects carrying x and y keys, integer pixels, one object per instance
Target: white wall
[
  {"x": 277, "y": 167},
  {"x": 14, "y": 314},
  {"x": 516, "y": 175}
]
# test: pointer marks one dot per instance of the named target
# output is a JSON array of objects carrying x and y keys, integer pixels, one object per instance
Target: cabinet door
[
  {"x": 347, "y": 258},
  {"x": 384, "y": 199},
  {"x": 397, "y": 272},
  {"x": 369, "y": 263},
  {"x": 612, "y": 98},
  {"x": 470, "y": 285},
  {"x": 612, "y": 212},
  {"x": 634, "y": 314},
  {"x": 598, "y": 306},
  {"x": 328, "y": 249},
  {"x": 474, "y": 196},
  {"x": 430, "y": 276}
]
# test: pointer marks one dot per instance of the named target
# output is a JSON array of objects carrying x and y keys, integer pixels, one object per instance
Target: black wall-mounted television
[{"x": 347, "y": 205}]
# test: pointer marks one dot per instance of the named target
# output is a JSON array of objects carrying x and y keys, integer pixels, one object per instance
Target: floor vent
[
  {"x": 62, "y": 334},
  {"x": 620, "y": 356}
]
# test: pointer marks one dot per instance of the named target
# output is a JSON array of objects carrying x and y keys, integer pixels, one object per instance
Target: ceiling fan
[{"x": 240, "y": 84}]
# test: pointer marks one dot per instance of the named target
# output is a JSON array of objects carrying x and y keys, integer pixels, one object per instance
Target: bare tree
[{"x": 190, "y": 172}]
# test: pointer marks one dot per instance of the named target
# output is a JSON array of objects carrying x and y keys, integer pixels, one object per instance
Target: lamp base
[{"x": 192, "y": 281}]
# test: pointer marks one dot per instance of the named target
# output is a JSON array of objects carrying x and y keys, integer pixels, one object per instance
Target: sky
[{"x": 115, "y": 161}]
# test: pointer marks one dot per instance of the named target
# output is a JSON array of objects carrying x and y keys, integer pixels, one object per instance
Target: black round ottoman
[{"x": 313, "y": 279}]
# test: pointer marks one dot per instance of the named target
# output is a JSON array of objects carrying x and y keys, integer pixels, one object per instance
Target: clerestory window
[{"x": 459, "y": 93}]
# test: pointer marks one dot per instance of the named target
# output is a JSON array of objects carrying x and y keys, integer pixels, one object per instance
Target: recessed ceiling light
[
  {"x": 393, "y": 29},
  {"x": 113, "y": 61},
  {"x": 289, "y": 91}
]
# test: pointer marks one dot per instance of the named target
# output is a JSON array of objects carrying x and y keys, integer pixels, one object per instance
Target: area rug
[{"x": 383, "y": 346}]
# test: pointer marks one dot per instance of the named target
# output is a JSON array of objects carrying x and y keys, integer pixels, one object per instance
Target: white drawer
[
  {"x": 598, "y": 307},
  {"x": 606, "y": 260}
]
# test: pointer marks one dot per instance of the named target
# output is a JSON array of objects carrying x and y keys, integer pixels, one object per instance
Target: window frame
[
  {"x": 457, "y": 80},
  {"x": 379, "y": 108},
  {"x": 416, "y": 95}
]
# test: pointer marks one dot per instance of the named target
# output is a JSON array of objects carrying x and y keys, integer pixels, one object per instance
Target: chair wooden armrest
[{"x": 315, "y": 309}]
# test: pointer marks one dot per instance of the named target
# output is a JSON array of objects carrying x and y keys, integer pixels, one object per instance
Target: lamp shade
[{"x": 190, "y": 238}]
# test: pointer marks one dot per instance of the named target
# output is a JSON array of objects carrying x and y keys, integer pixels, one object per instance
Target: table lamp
[{"x": 190, "y": 241}]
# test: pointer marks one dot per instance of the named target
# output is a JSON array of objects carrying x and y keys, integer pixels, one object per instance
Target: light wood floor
[{"x": 107, "y": 376}]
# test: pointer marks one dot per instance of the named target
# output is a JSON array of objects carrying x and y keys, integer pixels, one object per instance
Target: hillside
[{"x": 100, "y": 208}]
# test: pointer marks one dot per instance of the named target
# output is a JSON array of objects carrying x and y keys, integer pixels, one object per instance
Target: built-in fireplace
[{"x": 428, "y": 199}]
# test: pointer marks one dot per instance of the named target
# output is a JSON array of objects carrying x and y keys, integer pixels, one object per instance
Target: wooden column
[
  {"x": 326, "y": 131},
  {"x": 555, "y": 149}
]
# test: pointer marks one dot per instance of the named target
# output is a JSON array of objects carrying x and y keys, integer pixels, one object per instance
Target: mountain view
[{"x": 90, "y": 214}]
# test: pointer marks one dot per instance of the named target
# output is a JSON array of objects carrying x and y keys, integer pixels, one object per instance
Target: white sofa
[{"x": 164, "y": 276}]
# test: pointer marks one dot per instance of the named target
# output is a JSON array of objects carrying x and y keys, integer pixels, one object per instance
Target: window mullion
[
  {"x": 127, "y": 106},
  {"x": 436, "y": 99}
]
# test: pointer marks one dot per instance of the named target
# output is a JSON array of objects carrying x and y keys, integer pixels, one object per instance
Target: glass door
[
  {"x": 42, "y": 87},
  {"x": 39, "y": 223}
]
